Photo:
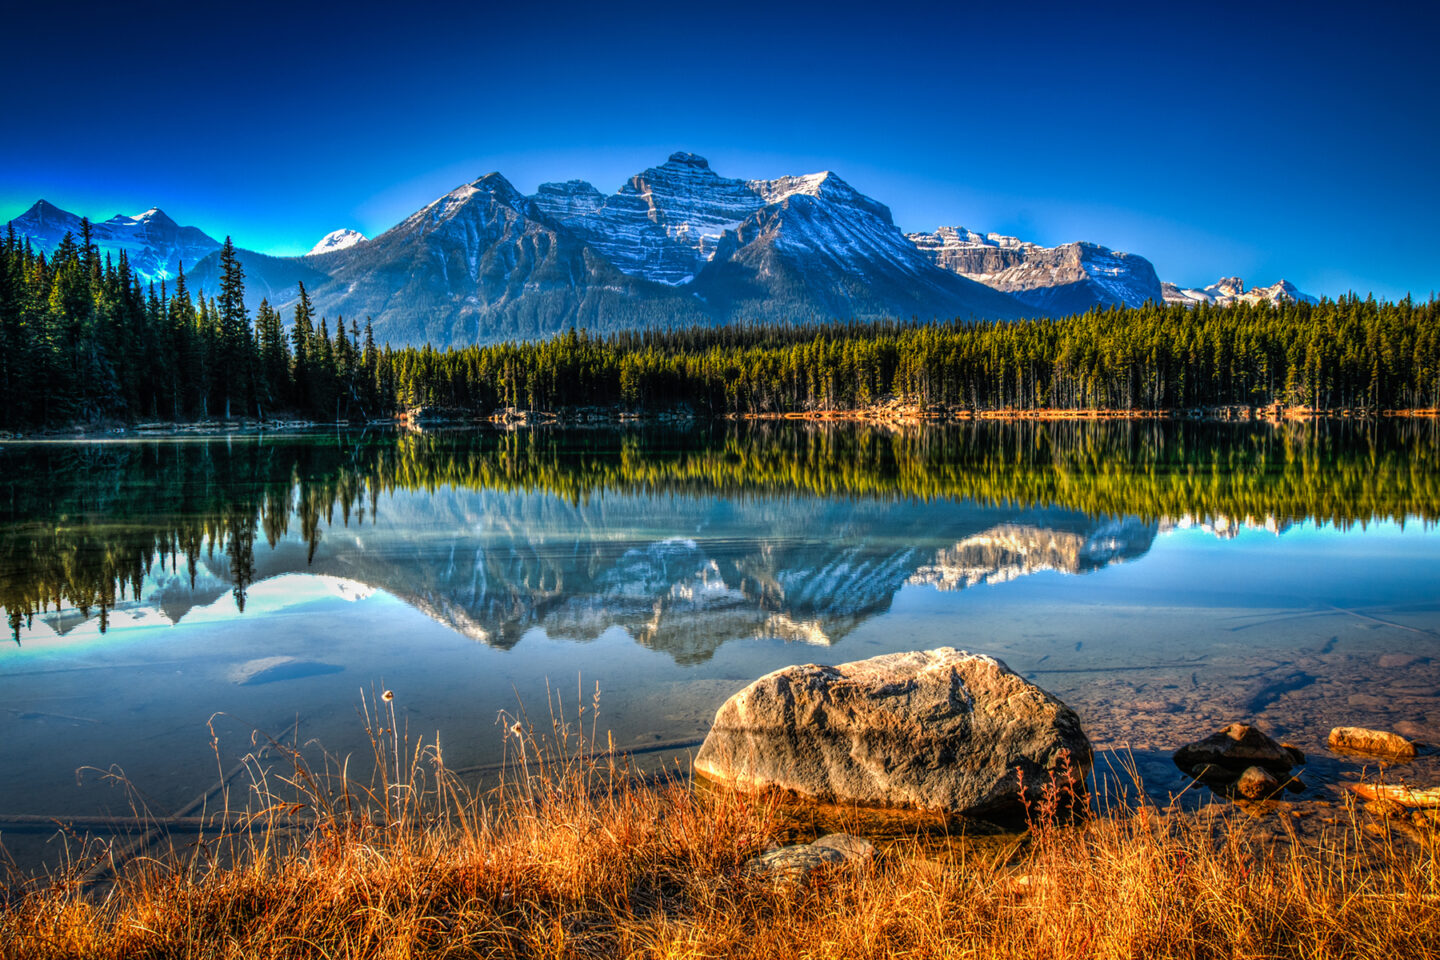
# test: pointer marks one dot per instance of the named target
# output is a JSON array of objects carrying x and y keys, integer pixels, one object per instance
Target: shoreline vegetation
[
  {"x": 573, "y": 855},
  {"x": 83, "y": 343},
  {"x": 892, "y": 412}
]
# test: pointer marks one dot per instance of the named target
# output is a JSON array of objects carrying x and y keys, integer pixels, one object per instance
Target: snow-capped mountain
[
  {"x": 1231, "y": 290},
  {"x": 1070, "y": 278},
  {"x": 337, "y": 240},
  {"x": 155, "y": 245},
  {"x": 676, "y": 245}
]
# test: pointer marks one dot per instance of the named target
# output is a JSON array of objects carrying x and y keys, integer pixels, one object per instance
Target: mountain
[
  {"x": 1231, "y": 290},
  {"x": 155, "y": 245},
  {"x": 337, "y": 240},
  {"x": 676, "y": 245},
  {"x": 1070, "y": 278}
]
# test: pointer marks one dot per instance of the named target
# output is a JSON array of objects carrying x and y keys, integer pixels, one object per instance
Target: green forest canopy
[{"x": 82, "y": 341}]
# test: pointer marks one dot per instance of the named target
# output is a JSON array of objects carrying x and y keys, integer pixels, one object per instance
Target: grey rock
[
  {"x": 800, "y": 860},
  {"x": 933, "y": 730}
]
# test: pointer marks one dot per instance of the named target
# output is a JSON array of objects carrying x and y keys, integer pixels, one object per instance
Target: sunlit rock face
[
  {"x": 663, "y": 224},
  {"x": 932, "y": 730},
  {"x": 156, "y": 246},
  {"x": 1069, "y": 278}
]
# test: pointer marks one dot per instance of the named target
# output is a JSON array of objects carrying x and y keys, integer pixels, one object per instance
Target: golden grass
[{"x": 574, "y": 858}]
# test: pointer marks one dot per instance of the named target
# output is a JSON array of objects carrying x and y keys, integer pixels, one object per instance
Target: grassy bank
[{"x": 577, "y": 860}]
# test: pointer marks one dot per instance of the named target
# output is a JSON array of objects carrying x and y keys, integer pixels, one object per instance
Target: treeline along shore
[{"x": 81, "y": 341}]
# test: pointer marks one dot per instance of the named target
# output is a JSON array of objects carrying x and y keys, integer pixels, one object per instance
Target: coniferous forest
[{"x": 82, "y": 341}]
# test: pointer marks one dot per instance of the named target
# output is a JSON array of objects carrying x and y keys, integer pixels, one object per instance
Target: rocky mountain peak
[
  {"x": 43, "y": 212},
  {"x": 1231, "y": 290},
  {"x": 337, "y": 240},
  {"x": 155, "y": 245},
  {"x": 570, "y": 188},
  {"x": 502, "y": 190},
  {"x": 1068, "y": 278},
  {"x": 682, "y": 158}
]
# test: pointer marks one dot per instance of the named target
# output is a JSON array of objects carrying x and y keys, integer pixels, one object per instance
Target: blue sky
[{"x": 1258, "y": 140}]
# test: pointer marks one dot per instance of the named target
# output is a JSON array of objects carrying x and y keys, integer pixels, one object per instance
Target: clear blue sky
[{"x": 1263, "y": 140}]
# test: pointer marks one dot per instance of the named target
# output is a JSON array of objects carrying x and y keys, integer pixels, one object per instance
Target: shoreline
[{"x": 893, "y": 413}]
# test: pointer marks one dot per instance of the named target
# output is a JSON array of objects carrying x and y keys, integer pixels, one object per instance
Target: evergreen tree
[{"x": 233, "y": 347}]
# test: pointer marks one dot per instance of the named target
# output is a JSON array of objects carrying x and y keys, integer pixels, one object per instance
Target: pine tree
[
  {"x": 302, "y": 332},
  {"x": 234, "y": 347}
]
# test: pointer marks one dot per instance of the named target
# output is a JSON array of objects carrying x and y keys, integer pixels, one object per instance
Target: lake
[{"x": 167, "y": 598}]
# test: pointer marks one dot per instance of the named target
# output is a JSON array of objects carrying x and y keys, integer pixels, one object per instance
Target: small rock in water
[
  {"x": 1236, "y": 748},
  {"x": 1257, "y": 783},
  {"x": 1375, "y": 743}
]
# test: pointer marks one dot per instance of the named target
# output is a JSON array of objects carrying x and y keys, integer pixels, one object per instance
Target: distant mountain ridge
[
  {"x": 676, "y": 245},
  {"x": 1070, "y": 278},
  {"x": 155, "y": 245},
  {"x": 1231, "y": 290}
]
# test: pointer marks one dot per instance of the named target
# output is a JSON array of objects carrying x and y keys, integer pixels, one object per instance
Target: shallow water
[{"x": 1162, "y": 580}]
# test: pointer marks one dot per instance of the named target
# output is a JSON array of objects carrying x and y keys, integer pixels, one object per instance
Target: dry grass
[{"x": 574, "y": 858}]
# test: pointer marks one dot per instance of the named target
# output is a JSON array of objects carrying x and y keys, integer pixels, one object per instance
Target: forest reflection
[{"x": 83, "y": 524}]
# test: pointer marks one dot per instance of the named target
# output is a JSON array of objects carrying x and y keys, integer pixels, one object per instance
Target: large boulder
[{"x": 940, "y": 730}]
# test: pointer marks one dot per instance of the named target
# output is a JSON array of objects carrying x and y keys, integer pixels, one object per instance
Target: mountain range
[{"x": 676, "y": 245}]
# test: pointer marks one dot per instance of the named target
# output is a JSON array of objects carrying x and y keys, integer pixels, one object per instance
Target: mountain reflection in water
[{"x": 686, "y": 539}]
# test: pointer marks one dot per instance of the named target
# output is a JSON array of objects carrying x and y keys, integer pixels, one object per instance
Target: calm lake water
[{"x": 1161, "y": 579}]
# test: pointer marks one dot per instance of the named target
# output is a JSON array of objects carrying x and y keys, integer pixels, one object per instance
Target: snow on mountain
[
  {"x": 676, "y": 245},
  {"x": 663, "y": 224},
  {"x": 337, "y": 240},
  {"x": 155, "y": 245},
  {"x": 1231, "y": 290},
  {"x": 1069, "y": 278}
]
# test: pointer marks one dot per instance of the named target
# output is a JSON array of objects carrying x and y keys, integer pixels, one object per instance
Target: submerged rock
[
  {"x": 1376, "y": 743},
  {"x": 273, "y": 669},
  {"x": 932, "y": 730}
]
